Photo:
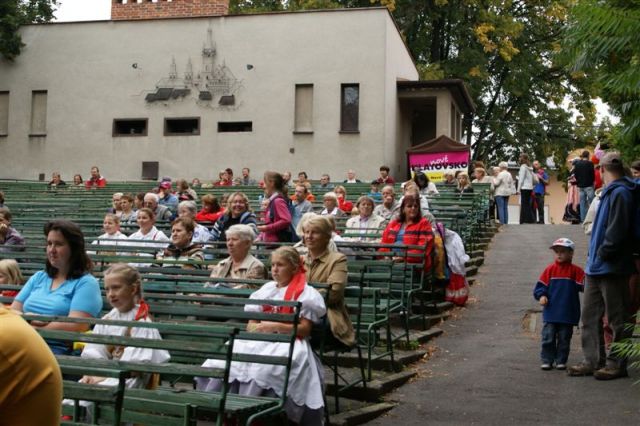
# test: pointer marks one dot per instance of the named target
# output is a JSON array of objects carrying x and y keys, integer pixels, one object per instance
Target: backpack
[{"x": 289, "y": 234}]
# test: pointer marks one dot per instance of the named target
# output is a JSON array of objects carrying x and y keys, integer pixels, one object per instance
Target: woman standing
[
  {"x": 503, "y": 184},
  {"x": 65, "y": 287},
  {"x": 277, "y": 227},
  {"x": 325, "y": 266},
  {"x": 238, "y": 213},
  {"x": 525, "y": 188}
]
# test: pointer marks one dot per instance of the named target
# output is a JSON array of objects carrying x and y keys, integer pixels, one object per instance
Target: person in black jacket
[{"x": 585, "y": 179}]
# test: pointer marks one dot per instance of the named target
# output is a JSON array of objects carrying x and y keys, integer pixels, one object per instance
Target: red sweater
[
  {"x": 418, "y": 234},
  {"x": 205, "y": 216}
]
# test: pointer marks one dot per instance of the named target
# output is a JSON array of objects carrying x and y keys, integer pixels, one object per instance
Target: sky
[{"x": 91, "y": 10}]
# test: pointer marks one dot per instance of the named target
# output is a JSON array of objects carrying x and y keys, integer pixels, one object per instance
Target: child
[
  {"x": 374, "y": 192},
  {"x": 10, "y": 274},
  {"x": 111, "y": 227},
  {"x": 557, "y": 290},
  {"x": 122, "y": 285}
]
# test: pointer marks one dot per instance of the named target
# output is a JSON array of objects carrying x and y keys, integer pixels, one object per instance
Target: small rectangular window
[
  {"x": 38, "y": 113},
  {"x": 182, "y": 126},
  {"x": 235, "y": 126},
  {"x": 349, "y": 108},
  {"x": 303, "y": 119},
  {"x": 4, "y": 113},
  {"x": 130, "y": 126}
]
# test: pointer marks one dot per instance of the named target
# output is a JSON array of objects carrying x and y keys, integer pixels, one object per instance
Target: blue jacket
[
  {"x": 616, "y": 227},
  {"x": 561, "y": 283}
]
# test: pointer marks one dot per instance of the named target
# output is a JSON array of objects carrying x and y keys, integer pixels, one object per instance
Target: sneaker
[
  {"x": 610, "y": 373},
  {"x": 561, "y": 366},
  {"x": 581, "y": 369},
  {"x": 546, "y": 366}
]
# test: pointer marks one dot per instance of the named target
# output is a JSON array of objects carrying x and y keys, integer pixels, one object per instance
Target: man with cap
[
  {"x": 167, "y": 198},
  {"x": 557, "y": 290},
  {"x": 614, "y": 238}
]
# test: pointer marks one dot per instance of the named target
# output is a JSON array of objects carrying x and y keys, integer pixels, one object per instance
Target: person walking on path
[
  {"x": 614, "y": 239},
  {"x": 584, "y": 173},
  {"x": 525, "y": 188},
  {"x": 557, "y": 290},
  {"x": 539, "y": 190}
]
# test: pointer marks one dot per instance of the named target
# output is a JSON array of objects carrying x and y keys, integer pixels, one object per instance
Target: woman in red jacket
[{"x": 410, "y": 228}]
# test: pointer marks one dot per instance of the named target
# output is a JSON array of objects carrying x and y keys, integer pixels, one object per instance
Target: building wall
[
  {"x": 97, "y": 71},
  {"x": 146, "y": 9}
]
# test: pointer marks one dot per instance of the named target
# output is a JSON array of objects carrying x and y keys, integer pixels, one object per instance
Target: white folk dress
[
  {"x": 306, "y": 379},
  {"x": 156, "y": 239},
  {"x": 109, "y": 240}
]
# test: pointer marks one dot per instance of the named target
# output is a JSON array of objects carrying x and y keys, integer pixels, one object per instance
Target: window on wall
[
  {"x": 4, "y": 113},
  {"x": 38, "y": 113},
  {"x": 303, "y": 120},
  {"x": 235, "y": 126},
  {"x": 130, "y": 126},
  {"x": 189, "y": 126},
  {"x": 349, "y": 108}
]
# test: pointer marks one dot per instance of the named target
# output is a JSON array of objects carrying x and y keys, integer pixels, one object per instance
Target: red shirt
[
  {"x": 206, "y": 216},
  {"x": 420, "y": 234},
  {"x": 99, "y": 182}
]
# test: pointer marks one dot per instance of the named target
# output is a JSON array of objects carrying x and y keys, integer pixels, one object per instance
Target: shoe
[
  {"x": 610, "y": 373},
  {"x": 561, "y": 366},
  {"x": 581, "y": 369},
  {"x": 546, "y": 366}
]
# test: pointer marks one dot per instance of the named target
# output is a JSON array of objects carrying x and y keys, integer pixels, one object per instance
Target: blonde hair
[
  {"x": 128, "y": 273},
  {"x": 11, "y": 269},
  {"x": 113, "y": 217},
  {"x": 289, "y": 254},
  {"x": 323, "y": 223}
]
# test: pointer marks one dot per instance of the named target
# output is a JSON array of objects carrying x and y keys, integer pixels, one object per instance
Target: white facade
[{"x": 95, "y": 72}]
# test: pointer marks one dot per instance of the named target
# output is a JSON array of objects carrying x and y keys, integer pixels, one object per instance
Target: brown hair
[
  {"x": 6, "y": 213},
  {"x": 276, "y": 178},
  {"x": 289, "y": 254},
  {"x": 187, "y": 222},
  {"x": 211, "y": 200},
  {"x": 79, "y": 262},
  {"x": 148, "y": 211},
  {"x": 402, "y": 217}
]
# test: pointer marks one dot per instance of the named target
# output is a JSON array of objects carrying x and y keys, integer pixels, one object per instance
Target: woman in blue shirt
[{"x": 65, "y": 287}]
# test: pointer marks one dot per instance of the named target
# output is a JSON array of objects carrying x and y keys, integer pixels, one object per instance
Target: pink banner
[{"x": 434, "y": 165}]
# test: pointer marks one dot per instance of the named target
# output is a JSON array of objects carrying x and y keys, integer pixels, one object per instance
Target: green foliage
[
  {"x": 629, "y": 348},
  {"x": 13, "y": 14},
  {"x": 601, "y": 44}
]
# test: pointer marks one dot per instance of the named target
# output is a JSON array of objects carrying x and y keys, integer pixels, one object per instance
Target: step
[
  {"x": 472, "y": 270},
  {"x": 361, "y": 415},
  {"x": 401, "y": 358},
  {"x": 381, "y": 384}
]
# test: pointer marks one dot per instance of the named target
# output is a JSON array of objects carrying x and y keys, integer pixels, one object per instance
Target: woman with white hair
[
  {"x": 503, "y": 188},
  {"x": 330, "y": 202},
  {"x": 189, "y": 209},
  {"x": 240, "y": 264}
]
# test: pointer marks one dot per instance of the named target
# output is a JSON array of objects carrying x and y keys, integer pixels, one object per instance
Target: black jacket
[{"x": 584, "y": 173}]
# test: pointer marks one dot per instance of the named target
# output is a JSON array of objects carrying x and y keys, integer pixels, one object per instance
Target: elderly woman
[
  {"x": 325, "y": 266},
  {"x": 389, "y": 204},
  {"x": 66, "y": 286},
  {"x": 182, "y": 249},
  {"x": 330, "y": 202},
  {"x": 240, "y": 264},
  {"x": 211, "y": 209},
  {"x": 503, "y": 189},
  {"x": 238, "y": 212},
  {"x": 365, "y": 223},
  {"x": 10, "y": 239},
  {"x": 343, "y": 204},
  {"x": 187, "y": 209}
]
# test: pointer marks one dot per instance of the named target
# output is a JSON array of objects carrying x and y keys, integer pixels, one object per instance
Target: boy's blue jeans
[{"x": 556, "y": 342}]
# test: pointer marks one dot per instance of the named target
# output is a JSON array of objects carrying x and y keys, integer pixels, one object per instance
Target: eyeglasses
[{"x": 412, "y": 206}]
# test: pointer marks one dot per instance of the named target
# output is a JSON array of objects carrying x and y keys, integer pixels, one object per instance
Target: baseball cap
[
  {"x": 165, "y": 185},
  {"x": 563, "y": 242}
]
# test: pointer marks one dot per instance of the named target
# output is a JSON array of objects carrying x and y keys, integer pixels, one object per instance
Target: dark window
[
  {"x": 130, "y": 126},
  {"x": 181, "y": 126},
  {"x": 150, "y": 170},
  {"x": 349, "y": 106},
  {"x": 235, "y": 126}
]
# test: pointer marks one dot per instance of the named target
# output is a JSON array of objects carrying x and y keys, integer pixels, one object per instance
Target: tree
[
  {"x": 601, "y": 44},
  {"x": 13, "y": 14}
]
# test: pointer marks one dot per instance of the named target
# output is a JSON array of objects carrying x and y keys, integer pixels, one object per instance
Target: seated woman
[
  {"x": 389, "y": 205},
  {"x": 78, "y": 182},
  {"x": 187, "y": 209},
  {"x": 127, "y": 215},
  {"x": 147, "y": 236},
  {"x": 300, "y": 247},
  {"x": 238, "y": 212},
  {"x": 425, "y": 186},
  {"x": 182, "y": 249},
  {"x": 410, "y": 188},
  {"x": 343, "y": 204},
  {"x": 410, "y": 228},
  {"x": 10, "y": 274},
  {"x": 122, "y": 284},
  {"x": 325, "y": 266},
  {"x": 183, "y": 192},
  {"x": 111, "y": 227},
  {"x": 464, "y": 185},
  {"x": 10, "y": 238},
  {"x": 330, "y": 202},
  {"x": 66, "y": 286},
  {"x": 305, "y": 388},
  {"x": 240, "y": 263},
  {"x": 365, "y": 223},
  {"x": 115, "y": 204},
  {"x": 211, "y": 209}
]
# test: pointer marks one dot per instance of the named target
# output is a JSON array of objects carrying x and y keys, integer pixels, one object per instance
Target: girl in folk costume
[
  {"x": 111, "y": 227},
  {"x": 148, "y": 236},
  {"x": 124, "y": 293},
  {"x": 305, "y": 389}
]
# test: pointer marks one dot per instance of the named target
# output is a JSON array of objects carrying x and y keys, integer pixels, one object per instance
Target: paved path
[{"x": 486, "y": 367}]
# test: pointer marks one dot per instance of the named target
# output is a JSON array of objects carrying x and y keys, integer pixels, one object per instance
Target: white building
[{"x": 320, "y": 91}]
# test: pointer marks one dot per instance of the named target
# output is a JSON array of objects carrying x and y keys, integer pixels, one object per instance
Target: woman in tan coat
[{"x": 324, "y": 266}]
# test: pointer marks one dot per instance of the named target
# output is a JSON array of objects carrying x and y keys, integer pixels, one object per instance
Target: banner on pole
[{"x": 435, "y": 164}]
